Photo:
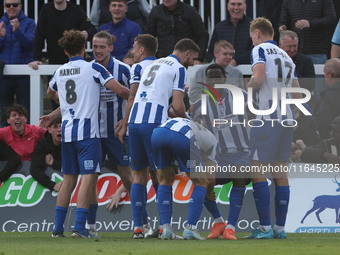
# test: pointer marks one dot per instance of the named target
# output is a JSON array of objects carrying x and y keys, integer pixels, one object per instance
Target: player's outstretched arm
[
  {"x": 46, "y": 120},
  {"x": 118, "y": 88},
  {"x": 115, "y": 198}
]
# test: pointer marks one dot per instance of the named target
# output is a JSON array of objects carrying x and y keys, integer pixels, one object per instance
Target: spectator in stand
[
  {"x": 337, "y": 8},
  {"x": 335, "y": 50},
  {"x": 306, "y": 128},
  {"x": 129, "y": 58},
  {"x": 13, "y": 161},
  {"x": 47, "y": 152},
  {"x": 172, "y": 21},
  {"x": 19, "y": 135},
  {"x": 234, "y": 29},
  {"x": 329, "y": 105},
  {"x": 122, "y": 28},
  {"x": 271, "y": 10},
  {"x": 16, "y": 47},
  {"x": 304, "y": 64},
  {"x": 327, "y": 151},
  {"x": 54, "y": 18},
  {"x": 313, "y": 21},
  {"x": 138, "y": 11},
  {"x": 223, "y": 52}
]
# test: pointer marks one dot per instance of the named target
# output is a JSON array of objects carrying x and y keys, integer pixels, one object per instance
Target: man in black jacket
[
  {"x": 13, "y": 161},
  {"x": 329, "y": 105},
  {"x": 312, "y": 21},
  {"x": 235, "y": 29},
  {"x": 172, "y": 21},
  {"x": 327, "y": 151},
  {"x": 54, "y": 18},
  {"x": 47, "y": 152}
]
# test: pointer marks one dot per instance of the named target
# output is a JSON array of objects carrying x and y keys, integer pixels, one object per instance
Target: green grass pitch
[{"x": 27, "y": 243}]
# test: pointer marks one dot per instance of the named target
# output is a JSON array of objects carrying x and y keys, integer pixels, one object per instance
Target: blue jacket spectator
[
  {"x": 122, "y": 28},
  {"x": 16, "y": 47}
]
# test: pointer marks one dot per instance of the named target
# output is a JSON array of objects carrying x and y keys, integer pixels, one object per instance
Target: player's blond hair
[
  {"x": 106, "y": 35},
  {"x": 263, "y": 25}
]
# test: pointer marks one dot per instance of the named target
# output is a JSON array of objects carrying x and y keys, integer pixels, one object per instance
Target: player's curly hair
[
  {"x": 73, "y": 42},
  {"x": 263, "y": 25}
]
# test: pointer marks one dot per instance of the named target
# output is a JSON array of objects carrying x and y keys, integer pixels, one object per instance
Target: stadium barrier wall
[{"x": 26, "y": 206}]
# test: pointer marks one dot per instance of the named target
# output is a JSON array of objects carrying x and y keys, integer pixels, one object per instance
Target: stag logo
[{"x": 326, "y": 201}]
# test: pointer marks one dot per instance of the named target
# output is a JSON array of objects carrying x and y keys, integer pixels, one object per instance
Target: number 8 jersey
[
  {"x": 280, "y": 70},
  {"x": 78, "y": 85},
  {"x": 154, "y": 94}
]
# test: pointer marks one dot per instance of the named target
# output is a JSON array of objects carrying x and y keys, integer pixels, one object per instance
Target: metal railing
[{"x": 37, "y": 89}]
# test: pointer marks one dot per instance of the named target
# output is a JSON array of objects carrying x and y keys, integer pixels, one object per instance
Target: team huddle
[{"x": 137, "y": 119}]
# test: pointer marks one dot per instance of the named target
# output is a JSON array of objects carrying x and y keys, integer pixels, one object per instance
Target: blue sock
[
  {"x": 60, "y": 215},
  {"x": 81, "y": 216},
  {"x": 145, "y": 214},
  {"x": 164, "y": 204},
  {"x": 137, "y": 196},
  {"x": 236, "y": 198},
  {"x": 212, "y": 208},
  {"x": 92, "y": 216},
  {"x": 262, "y": 201},
  {"x": 281, "y": 204},
  {"x": 196, "y": 203}
]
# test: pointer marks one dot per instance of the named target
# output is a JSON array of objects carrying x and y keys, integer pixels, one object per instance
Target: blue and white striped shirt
[
  {"x": 280, "y": 71},
  {"x": 155, "y": 90},
  {"x": 232, "y": 136},
  {"x": 138, "y": 69},
  {"x": 78, "y": 85},
  {"x": 199, "y": 136},
  {"x": 112, "y": 106}
]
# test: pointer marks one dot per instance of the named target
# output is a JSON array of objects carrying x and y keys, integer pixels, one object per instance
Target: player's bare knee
[{"x": 140, "y": 176}]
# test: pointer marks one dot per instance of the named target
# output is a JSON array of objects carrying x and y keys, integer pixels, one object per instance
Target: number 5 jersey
[{"x": 154, "y": 94}]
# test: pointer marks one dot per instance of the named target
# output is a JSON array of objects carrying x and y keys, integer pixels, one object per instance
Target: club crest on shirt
[{"x": 143, "y": 96}]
